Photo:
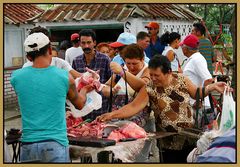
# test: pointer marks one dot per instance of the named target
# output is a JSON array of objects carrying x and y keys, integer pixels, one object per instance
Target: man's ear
[
  {"x": 29, "y": 58},
  {"x": 50, "y": 50}
]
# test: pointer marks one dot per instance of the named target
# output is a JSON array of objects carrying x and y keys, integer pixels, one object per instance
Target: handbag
[{"x": 204, "y": 117}]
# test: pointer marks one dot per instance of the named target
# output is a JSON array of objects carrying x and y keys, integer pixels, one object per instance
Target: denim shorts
[{"x": 46, "y": 151}]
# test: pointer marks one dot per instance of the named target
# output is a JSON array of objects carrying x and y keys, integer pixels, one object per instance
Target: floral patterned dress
[{"x": 172, "y": 109}]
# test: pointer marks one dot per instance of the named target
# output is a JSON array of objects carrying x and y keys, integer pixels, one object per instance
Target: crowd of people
[{"x": 160, "y": 93}]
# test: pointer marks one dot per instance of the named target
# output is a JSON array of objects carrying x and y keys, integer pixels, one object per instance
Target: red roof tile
[
  {"x": 20, "y": 13},
  {"x": 118, "y": 12}
]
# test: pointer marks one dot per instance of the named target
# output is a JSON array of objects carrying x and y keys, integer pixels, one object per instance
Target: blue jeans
[{"x": 47, "y": 151}]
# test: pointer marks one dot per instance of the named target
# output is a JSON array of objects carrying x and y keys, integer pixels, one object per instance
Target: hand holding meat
[
  {"x": 87, "y": 88},
  {"x": 89, "y": 78},
  {"x": 104, "y": 117},
  {"x": 95, "y": 74}
]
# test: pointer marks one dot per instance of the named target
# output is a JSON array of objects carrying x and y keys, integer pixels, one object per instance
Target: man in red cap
[
  {"x": 196, "y": 68},
  {"x": 75, "y": 50},
  {"x": 155, "y": 46}
]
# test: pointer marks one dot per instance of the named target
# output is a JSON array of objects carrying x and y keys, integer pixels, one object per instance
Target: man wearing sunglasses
[{"x": 155, "y": 46}]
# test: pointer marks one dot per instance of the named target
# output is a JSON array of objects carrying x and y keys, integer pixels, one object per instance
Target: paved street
[{"x": 12, "y": 119}]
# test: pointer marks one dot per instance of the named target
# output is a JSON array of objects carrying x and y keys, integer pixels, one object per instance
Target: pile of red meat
[
  {"x": 76, "y": 127},
  {"x": 129, "y": 130},
  {"x": 72, "y": 121}
]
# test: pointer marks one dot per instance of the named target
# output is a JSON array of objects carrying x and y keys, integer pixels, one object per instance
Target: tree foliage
[{"x": 213, "y": 14}]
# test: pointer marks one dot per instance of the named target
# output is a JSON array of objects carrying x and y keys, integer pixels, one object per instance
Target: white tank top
[
  {"x": 174, "y": 63},
  {"x": 130, "y": 90}
]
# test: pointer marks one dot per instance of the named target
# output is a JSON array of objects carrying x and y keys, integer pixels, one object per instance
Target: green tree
[{"x": 213, "y": 14}]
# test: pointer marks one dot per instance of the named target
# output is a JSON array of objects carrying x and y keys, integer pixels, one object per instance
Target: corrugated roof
[
  {"x": 120, "y": 12},
  {"x": 20, "y": 13}
]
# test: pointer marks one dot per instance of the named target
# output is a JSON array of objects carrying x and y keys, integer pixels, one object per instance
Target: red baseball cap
[
  {"x": 74, "y": 37},
  {"x": 152, "y": 25},
  {"x": 191, "y": 41}
]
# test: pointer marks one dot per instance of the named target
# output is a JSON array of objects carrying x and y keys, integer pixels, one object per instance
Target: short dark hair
[
  {"x": 33, "y": 55},
  {"x": 75, "y": 41},
  {"x": 159, "y": 61},
  {"x": 64, "y": 45},
  {"x": 199, "y": 27},
  {"x": 142, "y": 35},
  {"x": 133, "y": 51},
  {"x": 39, "y": 29},
  {"x": 88, "y": 33},
  {"x": 168, "y": 38}
]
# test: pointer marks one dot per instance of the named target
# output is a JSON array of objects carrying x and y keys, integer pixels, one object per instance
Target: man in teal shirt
[
  {"x": 42, "y": 91},
  {"x": 205, "y": 46}
]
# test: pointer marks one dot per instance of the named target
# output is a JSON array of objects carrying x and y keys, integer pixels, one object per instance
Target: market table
[
  {"x": 121, "y": 152},
  {"x": 14, "y": 140}
]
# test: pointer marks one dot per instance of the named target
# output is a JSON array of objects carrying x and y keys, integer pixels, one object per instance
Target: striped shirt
[
  {"x": 100, "y": 62},
  {"x": 206, "y": 49},
  {"x": 222, "y": 149}
]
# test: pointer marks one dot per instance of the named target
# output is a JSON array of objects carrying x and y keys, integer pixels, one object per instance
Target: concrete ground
[{"x": 12, "y": 119}]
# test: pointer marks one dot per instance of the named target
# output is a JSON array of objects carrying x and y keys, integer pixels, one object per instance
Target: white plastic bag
[
  {"x": 93, "y": 102},
  {"x": 228, "y": 112}
]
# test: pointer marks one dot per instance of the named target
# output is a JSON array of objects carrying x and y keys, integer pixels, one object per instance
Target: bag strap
[
  {"x": 179, "y": 65},
  {"x": 111, "y": 95},
  {"x": 203, "y": 95},
  {"x": 197, "y": 97},
  {"x": 204, "y": 117},
  {"x": 126, "y": 96},
  {"x": 211, "y": 102}
]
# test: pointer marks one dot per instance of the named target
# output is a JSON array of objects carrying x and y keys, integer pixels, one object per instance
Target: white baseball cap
[{"x": 35, "y": 42}]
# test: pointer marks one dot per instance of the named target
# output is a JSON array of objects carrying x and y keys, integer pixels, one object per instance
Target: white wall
[{"x": 184, "y": 28}]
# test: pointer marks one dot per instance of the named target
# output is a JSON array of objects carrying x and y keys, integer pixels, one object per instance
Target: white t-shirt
[
  {"x": 174, "y": 63},
  {"x": 197, "y": 71},
  {"x": 71, "y": 53},
  {"x": 60, "y": 63}
]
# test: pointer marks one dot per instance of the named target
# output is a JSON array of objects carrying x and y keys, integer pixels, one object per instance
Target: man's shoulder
[
  {"x": 204, "y": 40},
  {"x": 21, "y": 71},
  {"x": 74, "y": 49},
  {"x": 80, "y": 57},
  {"x": 117, "y": 58},
  {"x": 102, "y": 56},
  {"x": 197, "y": 57}
]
